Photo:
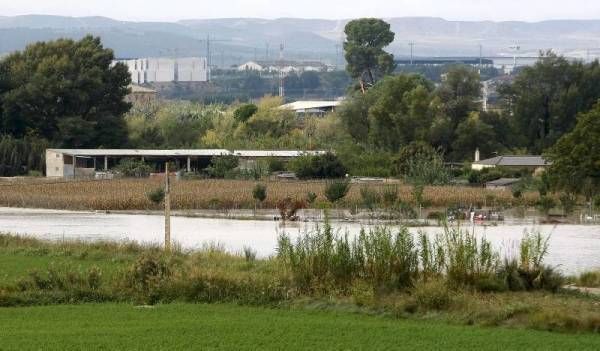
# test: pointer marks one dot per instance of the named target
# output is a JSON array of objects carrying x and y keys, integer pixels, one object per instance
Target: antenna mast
[{"x": 281, "y": 73}]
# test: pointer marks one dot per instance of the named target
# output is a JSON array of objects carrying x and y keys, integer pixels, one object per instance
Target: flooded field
[{"x": 573, "y": 248}]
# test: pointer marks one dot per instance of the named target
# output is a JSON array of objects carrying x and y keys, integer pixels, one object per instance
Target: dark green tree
[
  {"x": 65, "y": 91},
  {"x": 244, "y": 112},
  {"x": 545, "y": 99},
  {"x": 365, "y": 40},
  {"x": 395, "y": 112},
  {"x": 576, "y": 157}
]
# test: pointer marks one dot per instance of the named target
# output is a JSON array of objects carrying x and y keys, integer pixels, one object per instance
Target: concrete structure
[
  {"x": 285, "y": 66},
  {"x": 534, "y": 163},
  {"x": 318, "y": 108},
  {"x": 163, "y": 70},
  {"x": 502, "y": 183},
  {"x": 141, "y": 95},
  {"x": 84, "y": 163}
]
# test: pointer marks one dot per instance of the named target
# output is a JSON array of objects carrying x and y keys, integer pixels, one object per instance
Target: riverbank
[
  {"x": 34, "y": 272},
  {"x": 131, "y": 194},
  {"x": 232, "y": 327}
]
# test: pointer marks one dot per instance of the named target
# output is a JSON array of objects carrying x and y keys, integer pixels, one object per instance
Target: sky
[{"x": 172, "y": 10}]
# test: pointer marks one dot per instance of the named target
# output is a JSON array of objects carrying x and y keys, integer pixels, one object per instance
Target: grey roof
[
  {"x": 183, "y": 153},
  {"x": 514, "y": 161},
  {"x": 503, "y": 182}
]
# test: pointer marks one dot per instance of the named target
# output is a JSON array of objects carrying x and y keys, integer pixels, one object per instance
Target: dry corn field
[{"x": 129, "y": 194}]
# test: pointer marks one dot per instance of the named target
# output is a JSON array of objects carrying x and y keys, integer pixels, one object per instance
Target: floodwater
[{"x": 573, "y": 248}]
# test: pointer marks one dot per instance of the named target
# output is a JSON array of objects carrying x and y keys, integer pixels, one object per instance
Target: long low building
[{"x": 84, "y": 163}]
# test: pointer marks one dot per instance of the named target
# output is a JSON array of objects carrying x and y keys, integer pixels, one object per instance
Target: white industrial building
[{"x": 164, "y": 70}]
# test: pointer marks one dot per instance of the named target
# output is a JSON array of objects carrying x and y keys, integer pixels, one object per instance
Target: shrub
[
  {"x": 288, "y": 208},
  {"x": 244, "y": 112},
  {"x": 259, "y": 193},
  {"x": 589, "y": 279},
  {"x": 275, "y": 164},
  {"x": 319, "y": 167},
  {"x": 147, "y": 277},
  {"x": 311, "y": 197},
  {"x": 432, "y": 295},
  {"x": 156, "y": 196},
  {"x": 568, "y": 203},
  {"x": 130, "y": 167},
  {"x": 337, "y": 190},
  {"x": 370, "y": 197},
  {"x": 545, "y": 204},
  {"x": 390, "y": 195},
  {"x": 221, "y": 166}
]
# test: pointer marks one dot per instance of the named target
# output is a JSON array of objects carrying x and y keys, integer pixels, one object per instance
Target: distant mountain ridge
[{"x": 241, "y": 39}]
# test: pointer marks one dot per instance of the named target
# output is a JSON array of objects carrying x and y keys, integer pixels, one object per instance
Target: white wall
[{"x": 186, "y": 69}]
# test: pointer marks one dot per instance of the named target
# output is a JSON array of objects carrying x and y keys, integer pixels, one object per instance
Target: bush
[
  {"x": 337, "y": 190},
  {"x": 222, "y": 166},
  {"x": 589, "y": 279},
  {"x": 244, "y": 112},
  {"x": 432, "y": 295},
  {"x": 545, "y": 204},
  {"x": 390, "y": 195},
  {"x": 370, "y": 197},
  {"x": 157, "y": 195},
  {"x": 275, "y": 164},
  {"x": 311, "y": 197},
  {"x": 288, "y": 208},
  {"x": 318, "y": 167},
  {"x": 130, "y": 167},
  {"x": 568, "y": 203},
  {"x": 259, "y": 193}
]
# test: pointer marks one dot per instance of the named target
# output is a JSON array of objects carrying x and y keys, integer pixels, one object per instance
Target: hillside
[{"x": 242, "y": 39}]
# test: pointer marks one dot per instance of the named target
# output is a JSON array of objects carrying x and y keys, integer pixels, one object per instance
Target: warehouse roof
[
  {"x": 307, "y": 105},
  {"x": 514, "y": 161}
]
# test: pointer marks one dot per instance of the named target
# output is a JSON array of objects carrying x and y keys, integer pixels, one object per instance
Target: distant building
[
  {"x": 141, "y": 95},
  {"x": 533, "y": 163},
  {"x": 316, "y": 108},
  {"x": 164, "y": 70},
  {"x": 85, "y": 163},
  {"x": 284, "y": 66}
]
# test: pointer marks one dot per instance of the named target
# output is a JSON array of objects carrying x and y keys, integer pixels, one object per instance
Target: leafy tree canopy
[
  {"x": 576, "y": 157},
  {"x": 365, "y": 40},
  {"x": 544, "y": 99},
  {"x": 65, "y": 91}
]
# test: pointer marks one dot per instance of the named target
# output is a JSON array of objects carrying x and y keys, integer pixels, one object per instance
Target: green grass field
[{"x": 229, "y": 327}]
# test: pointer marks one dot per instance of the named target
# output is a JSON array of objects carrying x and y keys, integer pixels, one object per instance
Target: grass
[
  {"x": 131, "y": 194},
  {"x": 230, "y": 327}
]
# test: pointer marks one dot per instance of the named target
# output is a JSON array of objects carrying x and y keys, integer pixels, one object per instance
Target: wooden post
[
  {"x": 189, "y": 164},
  {"x": 167, "y": 209},
  {"x": 105, "y": 163}
]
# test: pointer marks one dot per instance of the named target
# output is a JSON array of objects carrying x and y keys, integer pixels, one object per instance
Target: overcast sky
[{"x": 170, "y": 10}]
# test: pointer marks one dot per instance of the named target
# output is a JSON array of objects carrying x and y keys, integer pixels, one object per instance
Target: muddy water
[{"x": 573, "y": 248}]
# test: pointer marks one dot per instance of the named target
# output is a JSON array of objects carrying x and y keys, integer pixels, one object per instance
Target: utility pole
[
  {"x": 412, "y": 48},
  {"x": 281, "y": 73},
  {"x": 267, "y": 51},
  {"x": 167, "y": 209},
  {"x": 207, "y": 57},
  {"x": 480, "y": 56}
]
